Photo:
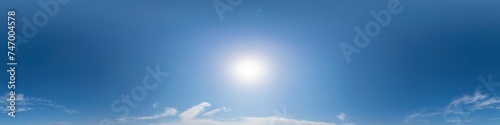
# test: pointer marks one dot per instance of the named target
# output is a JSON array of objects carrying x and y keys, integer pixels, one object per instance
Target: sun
[{"x": 249, "y": 69}]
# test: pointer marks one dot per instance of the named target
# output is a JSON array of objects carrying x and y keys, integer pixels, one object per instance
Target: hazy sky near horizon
[{"x": 434, "y": 63}]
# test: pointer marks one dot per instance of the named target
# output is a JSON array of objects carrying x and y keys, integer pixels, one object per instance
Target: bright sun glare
[{"x": 249, "y": 69}]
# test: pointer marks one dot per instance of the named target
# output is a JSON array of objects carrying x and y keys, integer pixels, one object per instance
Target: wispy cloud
[
  {"x": 191, "y": 117},
  {"x": 168, "y": 112},
  {"x": 341, "y": 116},
  {"x": 25, "y": 103},
  {"x": 156, "y": 104},
  {"x": 215, "y": 111},
  {"x": 424, "y": 115},
  {"x": 246, "y": 121},
  {"x": 24, "y": 109},
  {"x": 458, "y": 110},
  {"x": 194, "y": 111}
]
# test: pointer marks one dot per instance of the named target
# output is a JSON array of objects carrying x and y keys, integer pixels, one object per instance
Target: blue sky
[{"x": 433, "y": 63}]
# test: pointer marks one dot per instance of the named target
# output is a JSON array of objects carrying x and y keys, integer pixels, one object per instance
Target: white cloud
[
  {"x": 490, "y": 103},
  {"x": 341, "y": 116},
  {"x": 215, "y": 111},
  {"x": 65, "y": 109},
  {"x": 70, "y": 111},
  {"x": 168, "y": 112},
  {"x": 23, "y": 109},
  {"x": 24, "y": 103},
  {"x": 458, "y": 110},
  {"x": 246, "y": 121},
  {"x": 468, "y": 104},
  {"x": 190, "y": 117},
  {"x": 156, "y": 104},
  {"x": 194, "y": 111}
]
